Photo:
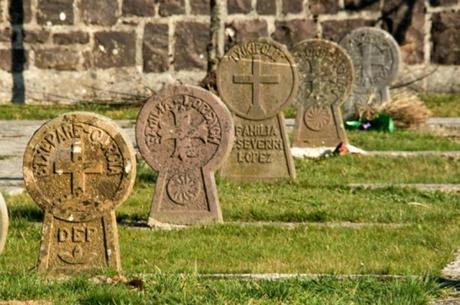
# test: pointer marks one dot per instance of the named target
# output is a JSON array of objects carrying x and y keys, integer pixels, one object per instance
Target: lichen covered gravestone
[
  {"x": 184, "y": 133},
  {"x": 376, "y": 58},
  {"x": 3, "y": 223},
  {"x": 257, "y": 80},
  {"x": 326, "y": 77},
  {"x": 78, "y": 168}
]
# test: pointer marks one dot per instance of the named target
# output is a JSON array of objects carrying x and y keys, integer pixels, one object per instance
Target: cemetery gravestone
[
  {"x": 326, "y": 76},
  {"x": 78, "y": 168},
  {"x": 184, "y": 133},
  {"x": 3, "y": 223},
  {"x": 256, "y": 80},
  {"x": 376, "y": 58}
]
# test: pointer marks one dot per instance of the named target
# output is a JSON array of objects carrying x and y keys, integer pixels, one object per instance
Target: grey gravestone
[
  {"x": 3, "y": 223},
  {"x": 326, "y": 77},
  {"x": 78, "y": 168},
  {"x": 185, "y": 133},
  {"x": 256, "y": 80},
  {"x": 376, "y": 58}
]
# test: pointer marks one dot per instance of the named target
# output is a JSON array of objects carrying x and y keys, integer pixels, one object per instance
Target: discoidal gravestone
[
  {"x": 257, "y": 80},
  {"x": 78, "y": 168},
  {"x": 326, "y": 77},
  {"x": 376, "y": 58},
  {"x": 184, "y": 133},
  {"x": 3, "y": 223}
]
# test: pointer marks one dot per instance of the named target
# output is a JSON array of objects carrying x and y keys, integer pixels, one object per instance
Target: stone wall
[{"x": 73, "y": 50}]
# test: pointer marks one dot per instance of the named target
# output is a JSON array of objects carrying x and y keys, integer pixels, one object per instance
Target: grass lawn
[
  {"x": 401, "y": 140},
  {"x": 417, "y": 234},
  {"x": 188, "y": 289},
  {"x": 45, "y": 112},
  {"x": 443, "y": 105}
]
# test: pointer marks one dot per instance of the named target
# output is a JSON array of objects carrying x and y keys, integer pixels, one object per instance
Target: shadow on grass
[{"x": 25, "y": 213}]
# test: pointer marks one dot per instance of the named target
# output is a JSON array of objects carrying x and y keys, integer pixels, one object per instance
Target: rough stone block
[
  {"x": 243, "y": 30},
  {"x": 192, "y": 39},
  {"x": 239, "y": 6},
  {"x": 292, "y": 6},
  {"x": 14, "y": 60},
  {"x": 445, "y": 33},
  {"x": 20, "y": 11},
  {"x": 57, "y": 58},
  {"x": 200, "y": 7},
  {"x": 443, "y": 2},
  {"x": 405, "y": 20},
  {"x": 20, "y": 36},
  {"x": 171, "y": 7},
  {"x": 335, "y": 30},
  {"x": 155, "y": 48},
  {"x": 56, "y": 12},
  {"x": 293, "y": 31},
  {"x": 266, "y": 7},
  {"x": 359, "y": 5},
  {"x": 114, "y": 49},
  {"x": 144, "y": 8},
  {"x": 5, "y": 35},
  {"x": 100, "y": 12},
  {"x": 77, "y": 37},
  {"x": 318, "y": 7}
]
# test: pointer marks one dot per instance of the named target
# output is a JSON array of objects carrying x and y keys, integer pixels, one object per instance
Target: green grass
[
  {"x": 44, "y": 112},
  {"x": 401, "y": 140},
  {"x": 443, "y": 105},
  {"x": 188, "y": 289},
  {"x": 422, "y": 246}
]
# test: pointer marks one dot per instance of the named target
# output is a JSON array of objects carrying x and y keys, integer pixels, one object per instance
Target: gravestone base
[
  {"x": 261, "y": 151},
  {"x": 323, "y": 127},
  {"x": 68, "y": 247},
  {"x": 185, "y": 198}
]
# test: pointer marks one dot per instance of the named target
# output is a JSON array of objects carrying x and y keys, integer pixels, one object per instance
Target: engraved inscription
[
  {"x": 255, "y": 143},
  {"x": 255, "y": 48},
  {"x": 184, "y": 128},
  {"x": 72, "y": 238},
  {"x": 256, "y": 80}
]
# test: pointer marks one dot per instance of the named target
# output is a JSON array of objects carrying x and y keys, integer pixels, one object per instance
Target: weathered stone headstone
[
  {"x": 376, "y": 58},
  {"x": 78, "y": 168},
  {"x": 326, "y": 77},
  {"x": 256, "y": 80},
  {"x": 3, "y": 223},
  {"x": 184, "y": 133}
]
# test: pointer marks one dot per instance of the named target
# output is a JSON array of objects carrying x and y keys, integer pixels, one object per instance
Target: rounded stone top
[
  {"x": 257, "y": 79},
  {"x": 325, "y": 71},
  {"x": 184, "y": 127},
  {"x": 3, "y": 223},
  {"x": 376, "y": 57},
  {"x": 79, "y": 166}
]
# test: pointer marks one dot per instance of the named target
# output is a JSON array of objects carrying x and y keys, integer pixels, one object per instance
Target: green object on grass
[
  {"x": 383, "y": 122},
  {"x": 352, "y": 125}
]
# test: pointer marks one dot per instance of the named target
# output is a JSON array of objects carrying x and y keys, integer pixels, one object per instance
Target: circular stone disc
[
  {"x": 184, "y": 127},
  {"x": 325, "y": 71},
  {"x": 376, "y": 58},
  {"x": 257, "y": 79},
  {"x": 79, "y": 166},
  {"x": 3, "y": 223}
]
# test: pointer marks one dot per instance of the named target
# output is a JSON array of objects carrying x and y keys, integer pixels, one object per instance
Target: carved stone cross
[{"x": 256, "y": 79}]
